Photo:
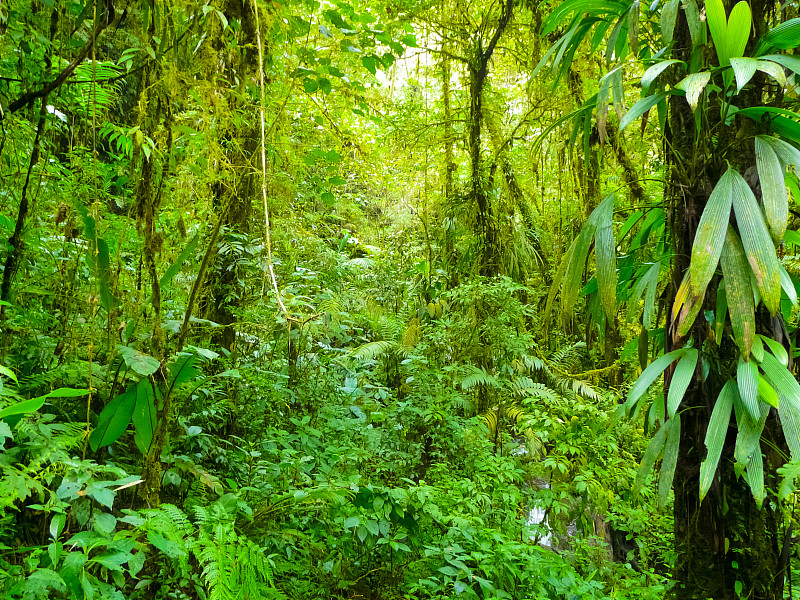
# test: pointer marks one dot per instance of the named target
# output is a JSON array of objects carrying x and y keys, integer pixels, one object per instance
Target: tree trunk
[{"x": 726, "y": 546}]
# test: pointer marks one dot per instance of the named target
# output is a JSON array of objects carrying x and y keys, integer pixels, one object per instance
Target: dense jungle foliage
[{"x": 309, "y": 299}]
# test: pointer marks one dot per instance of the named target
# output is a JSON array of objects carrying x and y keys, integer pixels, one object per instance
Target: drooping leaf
[
  {"x": 697, "y": 25},
  {"x": 757, "y": 242},
  {"x": 694, "y": 84},
  {"x": 669, "y": 15},
  {"x": 671, "y": 447},
  {"x": 606, "y": 256},
  {"x": 767, "y": 393},
  {"x": 749, "y": 432},
  {"x": 114, "y": 419},
  {"x": 647, "y": 284},
  {"x": 787, "y": 285},
  {"x": 747, "y": 378},
  {"x": 681, "y": 378},
  {"x": 755, "y": 476},
  {"x": 716, "y": 433},
  {"x": 652, "y": 453},
  {"x": 649, "y": 375},
  {"x": 687, "y": 306},
  {"x": 777, "y": 350},
  {"x": 738, "y": 292},
  {"x": 641, "y": 107},
  {"x": 720, "y": 311},
  {"x": 773, "y": 189},
  {"x": 653, "y": 72},
  {"x": 633, "y": 27},
  {"x": 144, "y": 415},
  {"x": 790, "y": 62},
  {"x": 710, "y": 235}
]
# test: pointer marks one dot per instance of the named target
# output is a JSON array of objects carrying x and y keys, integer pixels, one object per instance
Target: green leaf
[
  {"x": 671, "y": 447},
  {"x": 697, "y": 25},
  {"x": 183, "y": 370},
  {"x": 755, "y": 477},
  {"x": 175, "y": 267},
  {"x": 730, "y": 35},
  {"x": 790, "y": 62},
  {"x": 773, "y": 189},
  {"x": 633, "y": 27},
  {"x": 710, "y": 235},
  {"x": 777, "y": 350},
  {"x": 114, "y": 419},
  {"x": 649, "y": 375},
  {"x": 783, "y": 37},
  {"x": 788, "y": 285},
  {"x": 743, "y": 69},
  {"x": 687, "y": 305},
  {"x": 24, "y": 407},
  {"x": 747, "y": 378},
  {"x": 749, "y": 434},
  {"x": 370, "y": 63},
  {"x": 681, "y": 378},
  {"x": 649, "y": 282},
  {"x": 669, "y": 15},
  {"x": 716, "y": 433},
  {"x": 606, "y": 256},
  {"x": 168, "y": 547},
  {"x": 767, "y": 393},
  {"x": 653, "y": 451},
  {"x": 641, "y": 107},
  {"x": 721, "y": 310},
  {"x": 144, "y": 415},
  {"x": 141, "y": 363},
  {"x": 757, "y": 242},
  {"x": 653, "y": 72},
  {"x": 576, "y": 257},
  {"x": 738, "y": 292},
  {"x": 694, "y": 84}
]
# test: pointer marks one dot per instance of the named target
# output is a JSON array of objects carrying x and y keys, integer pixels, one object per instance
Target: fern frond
[
  {"x": 371, "y": 350},
  {"x": 478, "y": 377},
  {"x": 526, "y": 387}
]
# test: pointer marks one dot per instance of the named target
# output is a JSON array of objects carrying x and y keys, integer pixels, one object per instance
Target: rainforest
[{"x": 412, "y": 299}]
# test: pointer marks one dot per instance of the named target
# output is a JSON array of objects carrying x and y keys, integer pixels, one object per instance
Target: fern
[{"x": 478, "y": 377}]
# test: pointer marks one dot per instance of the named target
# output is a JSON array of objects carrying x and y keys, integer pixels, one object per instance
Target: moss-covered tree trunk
[{"x": 727, "y": 547}]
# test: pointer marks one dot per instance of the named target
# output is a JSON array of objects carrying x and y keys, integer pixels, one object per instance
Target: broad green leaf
[
  {"x": 790, "y": 62},
  {"x": 183, "y": 370},
  {"x": 755, "y": 476},
  {"x": 788, "y": 285},
  {"x": 8, "y": 373},
  {"x": 783, "y": 37},
  {"x": 671, "y": 447},
  {"x": 749, "y": 433},
  {"x": 767, "y": 393},
  {"x": 649, "y": 375},
  {"x": 777, "y": 350},
  {"x": 144, "y": 415},
  {"x": 24, "y": 407},
  {"x": 784, "y": 383},
  {"x": 641, "y": 107},
  {"x": 730, "y": 35},
  {"x": 175, "y": 267},
  {"x": 653, "y": 72},
  {"x": 697, "y": 26},
  {"x": 720, "y": 311},
  {"x": 669, "y": 15},
  {"x": 648, "y": 282},
  {"x": 757, "y": 242},
  {"x": 788, "y": 155},
  {"x": 747, "y": 378},
  {"x": 114, "y": 419},
  {"x": 652, "y": 453},
  {"x": 773, "y": 189},
  {"x": 141, "y": 363},
  {"x": 738, "y": 292},
  {"x": 633, "y": 27},
  {"x": 743, "y": 69},
  {"x": 577, "y": 255},
  {"x": 716, "y": 433},
  {"x": 710, "y": 236},
  {"x": 681, "y": 378},
  {"x": 694, "y": 84},
  {"x": 687, "y": 305},
  {"x": 606, "y": 256}
]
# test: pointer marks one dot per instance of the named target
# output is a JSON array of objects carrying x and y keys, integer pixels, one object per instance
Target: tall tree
[{"x": 728, "y": 400}]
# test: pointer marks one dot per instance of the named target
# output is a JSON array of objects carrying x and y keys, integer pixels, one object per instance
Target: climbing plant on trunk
[{"x": 730, "y": 412}]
